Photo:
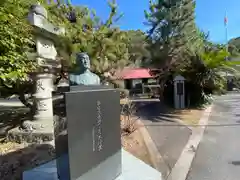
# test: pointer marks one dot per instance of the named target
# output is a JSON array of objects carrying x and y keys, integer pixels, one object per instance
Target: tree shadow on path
[
  {"x": 12, "y": 116},
  {"x": 169, "y": 136},
  {"x": 156, "y": 112}
]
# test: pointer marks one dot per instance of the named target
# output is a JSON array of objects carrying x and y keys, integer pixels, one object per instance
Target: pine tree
[
  {"x": 172, "y": 32},
  {"x": 139, "y": 54},
  {"x": 105, "y": 43}
]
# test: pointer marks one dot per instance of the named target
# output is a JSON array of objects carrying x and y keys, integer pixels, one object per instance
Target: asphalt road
[
  {"x": 218, "y": 155},
  {"x": 169, "y": 136}
]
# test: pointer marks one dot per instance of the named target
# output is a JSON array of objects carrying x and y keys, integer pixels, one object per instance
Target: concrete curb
[
  {"x": 155, "y": 157},
  {"x": 183, "y": 165}
]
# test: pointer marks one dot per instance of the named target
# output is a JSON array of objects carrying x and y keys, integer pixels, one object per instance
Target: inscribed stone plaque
[
  {"x": 93, "y": 134},
  {"x": 45, "y": 48}
]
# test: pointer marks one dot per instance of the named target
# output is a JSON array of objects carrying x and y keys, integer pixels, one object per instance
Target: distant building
[{"x": 136, "y": 80}]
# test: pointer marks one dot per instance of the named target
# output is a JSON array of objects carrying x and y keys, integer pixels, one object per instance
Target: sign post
[{"x": 179, "y": 92}]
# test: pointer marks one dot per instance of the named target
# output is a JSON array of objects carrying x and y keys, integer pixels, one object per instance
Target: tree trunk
[{"x": 26, "y": 102}]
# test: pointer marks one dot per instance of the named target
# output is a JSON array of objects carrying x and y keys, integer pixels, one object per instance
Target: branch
[{"x": 25, "y": 101}]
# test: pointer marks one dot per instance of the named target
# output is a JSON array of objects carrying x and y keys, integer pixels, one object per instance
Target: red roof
[{"x": 134, "y": 73}]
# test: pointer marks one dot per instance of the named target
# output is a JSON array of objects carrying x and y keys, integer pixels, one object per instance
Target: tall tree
[
  {"x": 173, "y": 35},
  {"x": 172, "y": 31}
]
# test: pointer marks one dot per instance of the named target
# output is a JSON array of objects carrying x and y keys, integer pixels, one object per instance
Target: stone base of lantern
[{"x": 42, "y": 132}]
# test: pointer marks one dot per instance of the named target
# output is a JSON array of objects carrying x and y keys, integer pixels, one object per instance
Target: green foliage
[
  {"x": 106, "y": 45},
  {"x": 178, "y": 46},
  {"x": 173, "y": 31},
  {"x": 174, "y": 37},
  {"x": 234, "y": 49},
  {"x": 109, "y": 47},
  {"x": 206, "y": 74},
  {"x": 138, "y": 48},
  {"x": 15, "y": 41},
  {"x": 173, "y": 44},
  {"x": 235, "y": 42}
]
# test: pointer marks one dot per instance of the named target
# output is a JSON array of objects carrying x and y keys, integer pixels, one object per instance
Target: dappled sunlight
[{"x": 16, "y": 158}]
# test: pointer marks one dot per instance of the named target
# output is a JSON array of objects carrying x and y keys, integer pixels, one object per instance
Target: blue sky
[{"x": 209, "y": 15}]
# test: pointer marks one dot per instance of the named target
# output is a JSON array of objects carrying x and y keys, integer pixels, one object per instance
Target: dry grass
[
  {"x": 136, "y": 146},
  {"x": 124, "y": 101},
  {"x": 133, "y": 142},
  {"x": 189, "y": 116},
  {"x": 8, "y": 147}
]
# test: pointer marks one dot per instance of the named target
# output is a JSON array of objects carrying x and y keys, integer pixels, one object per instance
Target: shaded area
[
  {"x": 235, "y": 163},
  {"x": 14, "y": 157},
  {"x": 12, "y": 116},
  {"x": 59, "y": 105},
  {"x": 23, "y": 158},
  {"x": 169, "y": 136},
  {"x": 155, "y": 112}
]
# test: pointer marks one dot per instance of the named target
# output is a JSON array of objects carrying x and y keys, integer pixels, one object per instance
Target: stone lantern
[{"x": 46, "y": 35}]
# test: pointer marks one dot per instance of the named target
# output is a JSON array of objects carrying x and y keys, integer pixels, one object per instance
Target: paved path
[
  {"x": 218, "y": 155},
  {"x": 169, "y": 136},
  {"x": 13, "y": 102}
]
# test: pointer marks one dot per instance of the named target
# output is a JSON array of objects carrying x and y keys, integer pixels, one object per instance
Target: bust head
[{"x": 83, "y": 61}]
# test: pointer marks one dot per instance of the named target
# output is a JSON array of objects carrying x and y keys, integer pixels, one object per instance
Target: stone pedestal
[
  {"x": 132, "y": 169},
  {"x": 40, "y": 128},
  {"x": 179, "y": 92}
]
